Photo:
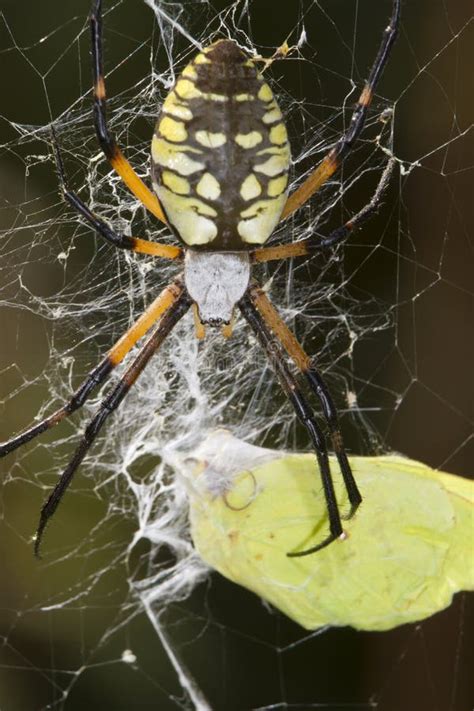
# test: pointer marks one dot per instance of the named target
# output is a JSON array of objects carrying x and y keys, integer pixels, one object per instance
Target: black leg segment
[
  {"x": 341, "y": 233},
  {"x": 95, "y": 378},
  {"x": 109, "y": 404},
  {"x": 304, "y": 413}
]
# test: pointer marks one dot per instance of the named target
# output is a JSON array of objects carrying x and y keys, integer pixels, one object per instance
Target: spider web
[{"x": 122, "y": 612}]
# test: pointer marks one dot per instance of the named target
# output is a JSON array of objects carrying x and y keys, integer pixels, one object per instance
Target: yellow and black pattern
[{"x": 220, "y": 153}]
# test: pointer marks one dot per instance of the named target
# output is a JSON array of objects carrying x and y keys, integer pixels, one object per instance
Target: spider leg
[
  {"x": 337, "y": 154},
  {"x": 106, "y": 140},
  {"x": 169, "y": 319},
  {"x": 100, "y": 373},
  {"x": 271, "y": 345},
  {"x": 308, "y": 246},
  {"x": 341, "y": 233},
  {"x": 134, "y": 244},
  {"x": 306, "y": 366}
]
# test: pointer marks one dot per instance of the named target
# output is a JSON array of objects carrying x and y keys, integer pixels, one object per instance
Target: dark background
[{"x": 242, "y": 656}]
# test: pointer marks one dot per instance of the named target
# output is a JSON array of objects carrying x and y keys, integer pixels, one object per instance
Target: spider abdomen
[{"x": 220, "y": 153}]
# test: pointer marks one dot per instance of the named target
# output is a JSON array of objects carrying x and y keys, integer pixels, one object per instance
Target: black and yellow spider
[{"x": 220, "y": 161}]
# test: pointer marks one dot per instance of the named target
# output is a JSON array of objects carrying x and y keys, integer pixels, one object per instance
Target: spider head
[{"x": 216, "y": 281}]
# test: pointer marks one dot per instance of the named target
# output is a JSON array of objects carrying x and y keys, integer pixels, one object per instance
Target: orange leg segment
[
  {"x": 162, "y": 304},
  {"x": 305, "y": 365},
  {"x": 336, "y": 155},
  {"x": 135, "y": 184}
]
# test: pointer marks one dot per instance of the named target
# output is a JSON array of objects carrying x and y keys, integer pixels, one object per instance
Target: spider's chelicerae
[{"x": 220, "y": 161}]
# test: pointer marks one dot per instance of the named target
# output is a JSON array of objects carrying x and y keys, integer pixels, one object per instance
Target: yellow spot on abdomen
[
  {"x": 273, "y": 115},
  {"x": 174, "y": 107},
  {"x": 210, "y": 140},
  {"x": 277, "y": 185},
  {"x": 250, "y": 188},
  {"x": 191, "y": 217},
  {"x": 201, "y": 59},
  {"x": 172, "y": 130},
  {"x": 173, "y": 157},
  {"x": 243, "y": 97},
  {"x": 278, "y": 134},
  {"x": 190, "y": 72},
  {"x": 249, "y": 140},
  {"x": 185, "y": 89},
  {"x": 274, "y": 165},
  {"x": 265, "y": 93},
  {"x": 216, "y": 97},
  {"x": 175, "y": 183},
  {"x": 260, "y": 219},
  {"x": 208, "y": 187}
]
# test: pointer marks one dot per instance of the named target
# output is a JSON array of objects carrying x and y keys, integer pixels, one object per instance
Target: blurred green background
[{"x": 241, "y": 656}]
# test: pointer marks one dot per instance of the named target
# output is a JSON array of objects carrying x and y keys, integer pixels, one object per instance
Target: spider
[{"x": 220, "y": 163}]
